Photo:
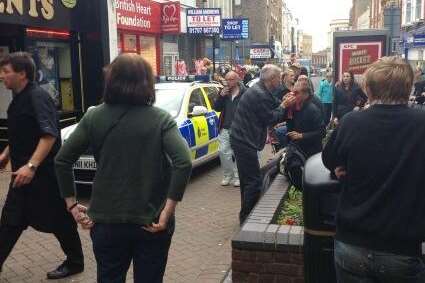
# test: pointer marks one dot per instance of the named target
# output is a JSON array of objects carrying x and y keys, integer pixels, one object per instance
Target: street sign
[
  {"x": 419, "y": 40},
  {"x": 235, "y": 29},
  {"x": 203, "y": 21},
  {"x": 260, "y": 53}
]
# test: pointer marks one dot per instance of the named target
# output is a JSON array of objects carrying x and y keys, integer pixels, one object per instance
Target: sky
[{"x": 315, "y": 16}]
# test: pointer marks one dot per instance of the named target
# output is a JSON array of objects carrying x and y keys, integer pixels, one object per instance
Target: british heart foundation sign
[
  {"x": 138, "y": 15},
  {"x": 170, "y": 17},
  {"x": 357, "y": 57}
]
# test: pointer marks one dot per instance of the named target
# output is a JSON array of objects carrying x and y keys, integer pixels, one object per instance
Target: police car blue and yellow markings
[{"x": 188, "y": 133}]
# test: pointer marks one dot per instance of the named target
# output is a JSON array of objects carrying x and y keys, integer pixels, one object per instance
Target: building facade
[
  {"x": 307, "y": 46},
  {"x": 334, "y": 26},
  {"x": 265, "y": 24},
  {"x": 413, "y": 31}
]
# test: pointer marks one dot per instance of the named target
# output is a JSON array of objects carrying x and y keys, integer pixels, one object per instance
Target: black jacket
[
  {"x": 227, "y": 107},
  {"x": 345, "y": 100},
  {"x": 382, "y": 202},
  {"x": 309, "y": 122},
  {"x": 256, "y": 111}
]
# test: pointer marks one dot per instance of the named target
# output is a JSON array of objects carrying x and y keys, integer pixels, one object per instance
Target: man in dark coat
[
  {"x": 257, "y": 110},
  {"x": 34, "y": 139}
]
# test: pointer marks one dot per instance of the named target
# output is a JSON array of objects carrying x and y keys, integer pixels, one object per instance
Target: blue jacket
[{"x": 325, "y": 92}]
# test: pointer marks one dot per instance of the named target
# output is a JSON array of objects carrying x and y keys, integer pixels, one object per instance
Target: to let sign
[
  {"x": 235, "y": 28},
  {"x": 203, "y": 21},
  {"x": 357, "y": 57}
]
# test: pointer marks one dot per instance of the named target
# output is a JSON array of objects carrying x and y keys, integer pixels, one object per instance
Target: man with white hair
[{"x": 257, "y": 110}]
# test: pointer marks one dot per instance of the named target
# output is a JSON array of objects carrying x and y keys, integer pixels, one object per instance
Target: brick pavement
[{"x": 200, "y": 252}]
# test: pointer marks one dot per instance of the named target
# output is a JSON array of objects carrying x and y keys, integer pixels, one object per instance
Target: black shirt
[
  {"x": 345, "y": 100},
  {"x": 382, "y": 203},
  {"x": 31, "y": 115},
  {"x": 257, "y": 110},
  {"x": 227, "y": 107},
  {"x": 309, "y": 122}
]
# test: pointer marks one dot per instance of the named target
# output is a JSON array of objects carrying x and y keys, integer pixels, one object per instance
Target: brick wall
[{"x": 255, "y": 266}]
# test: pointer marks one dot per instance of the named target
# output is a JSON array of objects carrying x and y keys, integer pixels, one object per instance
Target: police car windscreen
[{"x": 169, "y": 100}]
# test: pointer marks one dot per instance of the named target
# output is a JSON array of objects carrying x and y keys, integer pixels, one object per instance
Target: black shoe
[{"x": 64, "y": 270}]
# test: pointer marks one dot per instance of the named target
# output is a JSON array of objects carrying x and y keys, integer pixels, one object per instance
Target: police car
[{"x": 189, "y": 100}]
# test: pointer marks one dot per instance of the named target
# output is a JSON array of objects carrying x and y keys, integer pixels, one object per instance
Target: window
[
  {"x": 418, "y": 12},
  {"x": 196, "y": 99},
  {"x": 212, "y": 94},
  {"x": 54, "y": 72},
  {"x": 408, "y": 11}
]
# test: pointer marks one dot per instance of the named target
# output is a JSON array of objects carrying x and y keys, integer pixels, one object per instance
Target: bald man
[{"x": 226, "y": 103}]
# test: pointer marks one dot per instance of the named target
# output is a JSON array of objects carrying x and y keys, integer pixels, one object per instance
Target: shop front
[
  {"x": 61, "y": 38},
  {"x": 148, "y": 28}
]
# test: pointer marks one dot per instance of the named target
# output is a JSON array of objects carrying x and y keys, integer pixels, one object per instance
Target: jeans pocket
[
  {"x": 398, "y": 266},
  {"x": 350, "y": 258}
]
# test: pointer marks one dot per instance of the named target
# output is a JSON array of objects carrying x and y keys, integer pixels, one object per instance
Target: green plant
[{"x": 291, "y": 211}]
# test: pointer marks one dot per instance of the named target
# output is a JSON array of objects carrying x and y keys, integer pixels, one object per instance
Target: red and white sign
[
  {"x": 260, "y": 53},
  {"x": 170, "y": 17},
  {"x": 357, "y": 57},
  {"x": 203, "y": 18},
  {"x": 138, "y": 15}
]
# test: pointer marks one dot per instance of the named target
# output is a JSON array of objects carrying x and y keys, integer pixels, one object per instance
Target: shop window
[
  {"x": 148, "y": 50},
  {"x": 130, "y": 43},
  {"x": 54, "y": 71}
]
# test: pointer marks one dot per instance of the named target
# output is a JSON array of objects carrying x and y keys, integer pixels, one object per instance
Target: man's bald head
[{"x": 232, "y": 78}]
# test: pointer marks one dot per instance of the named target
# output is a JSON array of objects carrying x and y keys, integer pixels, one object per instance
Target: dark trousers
[
  {"x": 327, "y": 109},
  {"x": 357, "y": 264},
  {"x": 68, "y": 238},
  {"x": 249, "y": 177},
  {"x": 116, "y": 245}
]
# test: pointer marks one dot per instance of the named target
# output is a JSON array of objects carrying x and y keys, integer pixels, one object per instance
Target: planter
[{"x": 266, "y": 252}]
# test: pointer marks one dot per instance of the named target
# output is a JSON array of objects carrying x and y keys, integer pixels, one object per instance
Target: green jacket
[
  {"x": 325, "y": 92},
  {"x": 141, "y": 162}
]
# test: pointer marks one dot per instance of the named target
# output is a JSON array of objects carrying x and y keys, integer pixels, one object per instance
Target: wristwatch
[{"x": 32, "y": 166}]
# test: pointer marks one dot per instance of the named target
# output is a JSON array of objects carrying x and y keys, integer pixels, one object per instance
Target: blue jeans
[
  {"x": 361, "y": 265},
  {"x": 281, "y": 136},
  {"x": 116, "y": 245}
]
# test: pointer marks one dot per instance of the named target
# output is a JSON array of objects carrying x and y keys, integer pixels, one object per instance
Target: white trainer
[
  {"x": 226, "y": 181},
  {"x": 236, "y": 183}
]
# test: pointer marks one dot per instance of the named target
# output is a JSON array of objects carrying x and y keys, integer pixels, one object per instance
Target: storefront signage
[
  {"x": 138, "y": 15},
  {"x": 170, "y": 18},
  {"x": 203, "y": 21},
  {"x": 235, "y": 28},
  {"x": 53, "y": 14},
  {"x": 357, "y": 57},
  {"x": 260, "y": 53},
  {"x": 419, "y": 40}
]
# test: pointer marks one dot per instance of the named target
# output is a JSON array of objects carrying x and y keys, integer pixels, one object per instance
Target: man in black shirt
[
  {"x": 379, "y": 156},
  {"x": 34, "y": 139},
  {"x": 226, "y": 103}
]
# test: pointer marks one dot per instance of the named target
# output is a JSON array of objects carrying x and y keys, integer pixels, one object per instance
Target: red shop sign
[
  {"x": 139, "y": 15},
  {"x": 357, "y": 57},
  {"x": 170, "y": 17}
]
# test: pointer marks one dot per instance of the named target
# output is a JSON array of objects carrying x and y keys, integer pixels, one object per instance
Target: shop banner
[
  {"x": 170, "y": 18},
  {"x": 235, "y": 28},
  {"x": 203, "y": 21},
  {"x": 418, "y": 40},
  {"x": 260, "y": 53},
  {"x": 357, "y": 57},
  {"x": 138, "y": 15},
  {"x": 60, "y": 14}
]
